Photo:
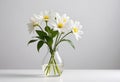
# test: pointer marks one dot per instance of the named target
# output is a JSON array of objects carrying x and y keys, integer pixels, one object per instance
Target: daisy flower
[
  {"x": 47, "y": 16},
  {"x": 76, "y": 29},
  {"x": 65, "y": 18},
  {"x": 61, "y": 23},
  {"x": 34, "y": 21}
]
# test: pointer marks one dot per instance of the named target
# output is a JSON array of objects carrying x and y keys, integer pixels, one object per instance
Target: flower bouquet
[{"x": 51, "y": 29}]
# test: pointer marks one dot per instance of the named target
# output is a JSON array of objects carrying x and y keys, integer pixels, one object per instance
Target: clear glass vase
[{"x": 52, "y": 64}]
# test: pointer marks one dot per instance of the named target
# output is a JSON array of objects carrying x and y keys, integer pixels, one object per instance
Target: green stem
[
  {"x": 56, "y": 41},
  {"x": 52, "y": 62},
  {"x": 46, "y": 22},
  {"x": 57, "y": 68},
  {"x": 46, "y": 70},
  {"x": 66, "y": 35},
  {"x": 54, "y": 68},
  {"x": 48, "y": 67},
  {"x": 60, "y": 39},
  {"x": 40, "y": 27},
  {"x": 60, "y": 36}
]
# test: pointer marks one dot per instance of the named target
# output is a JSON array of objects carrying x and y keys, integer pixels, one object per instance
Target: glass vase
[{"x": 52, "y": 64}]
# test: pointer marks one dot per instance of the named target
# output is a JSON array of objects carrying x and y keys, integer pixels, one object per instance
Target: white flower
[
  {"x": 34, "y": 21},
  {"x": 76, "y": 29},
  {"x": 65, "y": 18},
  {"x": 47, "y": 16},
  {"x": 61, "y": 23}
]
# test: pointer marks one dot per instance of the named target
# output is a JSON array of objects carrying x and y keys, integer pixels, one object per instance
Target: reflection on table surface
[{"x": 67, "y": 76}]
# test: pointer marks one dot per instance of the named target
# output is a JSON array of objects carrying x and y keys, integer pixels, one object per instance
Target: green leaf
[
  {"x": 51, "y": 32},
  {"x": 47, "y": 29},
  {"x": 49, "y": 40},
  {"x": 69, "y": 41},
  {"x": 39, "y": 45},
  {"x": 54, "y": 33},
  {"x": 31, "y": 41},
  {"x": 41, "y": 34}
]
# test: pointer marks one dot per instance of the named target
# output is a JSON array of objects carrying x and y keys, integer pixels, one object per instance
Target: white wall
[{"x": 99, "y": 47}]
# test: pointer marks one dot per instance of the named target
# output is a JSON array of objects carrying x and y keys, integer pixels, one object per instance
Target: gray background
[{"x": 98, "y": 49}]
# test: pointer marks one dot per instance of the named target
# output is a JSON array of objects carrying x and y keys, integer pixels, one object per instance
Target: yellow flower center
[
  {"x": 60, "y": 25},
  {"x": 75, "y": 29},
  {"x": 46, "y": 17},
  {"x": 64, "y": 19}
]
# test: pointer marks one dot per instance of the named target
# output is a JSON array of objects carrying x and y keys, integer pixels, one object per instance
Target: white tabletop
[{"x": 67, "y": 76}]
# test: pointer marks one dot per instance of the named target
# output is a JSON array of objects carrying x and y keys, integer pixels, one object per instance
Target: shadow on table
[
  {"x": 12, "y": 75},
  {"x": 39, "y": 77}
]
